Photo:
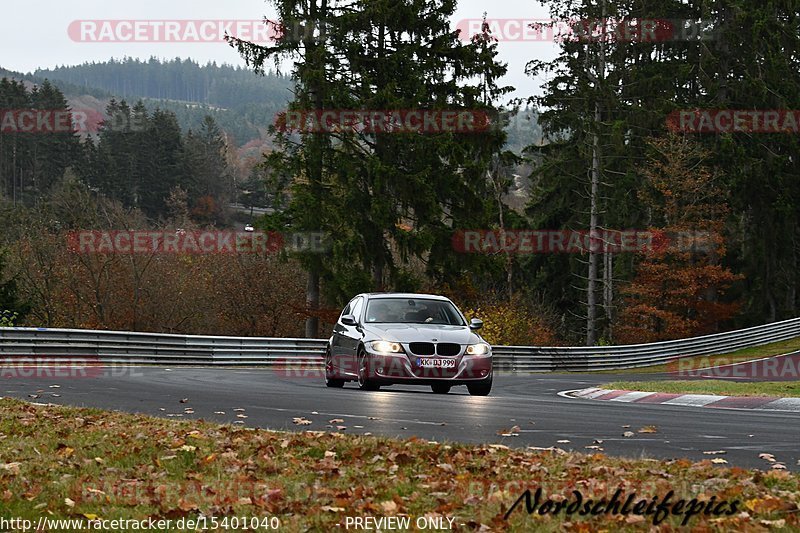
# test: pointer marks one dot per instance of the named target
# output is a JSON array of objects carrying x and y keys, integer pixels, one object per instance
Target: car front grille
[
  {"x": 422, "y": 348},
  {"x": 447, "y": 348}
]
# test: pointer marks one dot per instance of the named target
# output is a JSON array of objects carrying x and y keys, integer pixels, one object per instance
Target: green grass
[
  {"x": 703, "y": 361},
  {"x": 712, "y": 386},
  {"x": 66, "y": 462}
]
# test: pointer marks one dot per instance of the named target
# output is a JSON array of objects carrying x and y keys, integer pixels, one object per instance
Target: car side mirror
[
  {"x": 349, "y": 320},
  {"x": 475, "y": 323}
]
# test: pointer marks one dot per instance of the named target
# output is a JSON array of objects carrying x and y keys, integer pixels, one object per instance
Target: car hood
[{"x": 405, "y": 333}]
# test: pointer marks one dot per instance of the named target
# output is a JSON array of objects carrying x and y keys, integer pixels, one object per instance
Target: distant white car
[{"x": 249, "y": 227}]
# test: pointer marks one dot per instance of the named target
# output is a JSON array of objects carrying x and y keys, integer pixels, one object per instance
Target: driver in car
[{"x": 379, "y": 313}]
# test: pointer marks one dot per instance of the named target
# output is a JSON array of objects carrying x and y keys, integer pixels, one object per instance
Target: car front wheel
[
  {"x": 482, "y": 388},
  {"x": 331, "y": 381},
  {"x": 364, "y": 383}
]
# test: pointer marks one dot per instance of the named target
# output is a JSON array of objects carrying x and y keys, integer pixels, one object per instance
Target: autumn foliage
[
  {"x": 680, "y": 284},
  {"x": 219, "y": 294},
  {"x": 513, "y": 323}
]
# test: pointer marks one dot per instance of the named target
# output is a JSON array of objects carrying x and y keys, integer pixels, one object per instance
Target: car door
[
  {"x": 351, "y": 336},
  {"x": 338, "y": 340}
]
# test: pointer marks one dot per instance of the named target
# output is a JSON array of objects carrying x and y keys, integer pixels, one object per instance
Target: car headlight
[
  {"x": 478, "y": 349},
  {"x": 385, "y": 347}
]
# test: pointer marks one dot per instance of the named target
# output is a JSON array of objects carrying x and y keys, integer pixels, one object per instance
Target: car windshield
[{"x": 413, "y": 311}]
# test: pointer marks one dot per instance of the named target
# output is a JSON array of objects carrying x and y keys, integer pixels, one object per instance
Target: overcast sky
[{"x": 36, "y": 32}]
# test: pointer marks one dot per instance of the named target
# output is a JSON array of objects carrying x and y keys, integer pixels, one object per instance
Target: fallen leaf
[
  {"x": 628, "y": 434},
  {"x": 648, "y": 429},
  {"x": 715, "y": 452},
  {"x": 69, "y": 502},
  {"x": 10, "y": 467},
  {"x": 719, "y": 461},
  {"x": 335, "y": 421},
  {"x": 62, "y": 450},
  {"x": 184, "y": 400},
  {"x": 511, "y": 432},
  {"x": 300, "y": 421},
  {"x": 563, "y": 441},
  {"x": 389, "y": 506}
]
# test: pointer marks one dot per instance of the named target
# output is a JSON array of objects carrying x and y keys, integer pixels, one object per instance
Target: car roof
[{"x": 406, "y": 295}]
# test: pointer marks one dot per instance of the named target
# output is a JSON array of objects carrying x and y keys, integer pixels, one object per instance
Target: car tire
[
  {"x": 440, "y": 388},
  {"x": 482, "y": 388},
  {"x": 363, "y": 382},
  {"x": 330, "y": 381}
]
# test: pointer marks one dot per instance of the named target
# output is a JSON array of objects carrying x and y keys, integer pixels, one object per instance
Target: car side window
[
  {"x": 356, "y": 310},
  {"x": 346, "y": 310}
]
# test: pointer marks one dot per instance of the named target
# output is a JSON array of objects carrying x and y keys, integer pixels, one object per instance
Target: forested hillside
[
  {"x": 183, "y": 80},
  {"x": 242, "y": 103}
]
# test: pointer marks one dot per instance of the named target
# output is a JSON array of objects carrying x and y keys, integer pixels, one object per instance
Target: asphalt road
[{"x": 271, "y": 400}]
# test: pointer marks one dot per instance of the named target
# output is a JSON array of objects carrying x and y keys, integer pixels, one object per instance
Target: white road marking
[
  {"x": 694, "y": 400},
  {"x": 783, "y": 404},
  {"x": 631, "y": 397}
]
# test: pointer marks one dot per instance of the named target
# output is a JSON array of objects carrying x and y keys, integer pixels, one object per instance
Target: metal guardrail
[{"x": 119, "y": 347}]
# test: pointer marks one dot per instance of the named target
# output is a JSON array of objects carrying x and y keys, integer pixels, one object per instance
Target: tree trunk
[
  {"x": 591, "y": 282},
  {"x": 312, "y": 303}
]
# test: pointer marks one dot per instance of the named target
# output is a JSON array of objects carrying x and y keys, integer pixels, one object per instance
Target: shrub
[{"x": 513, "y": 323}]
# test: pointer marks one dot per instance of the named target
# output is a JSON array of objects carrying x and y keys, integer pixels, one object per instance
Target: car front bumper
[{"x": 405, "y": 368}]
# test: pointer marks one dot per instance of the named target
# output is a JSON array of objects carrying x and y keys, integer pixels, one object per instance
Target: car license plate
[{"x": 436, "y": 363}]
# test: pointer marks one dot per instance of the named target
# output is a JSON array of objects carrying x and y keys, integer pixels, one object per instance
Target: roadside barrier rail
[{"x": 122, "y": 347}]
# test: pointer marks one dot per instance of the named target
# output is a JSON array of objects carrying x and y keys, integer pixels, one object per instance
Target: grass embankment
[
  {"x": 80, "y": 463},
  {"x": 712, "y": 386},
  {"x": 703, "y": 361}
]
